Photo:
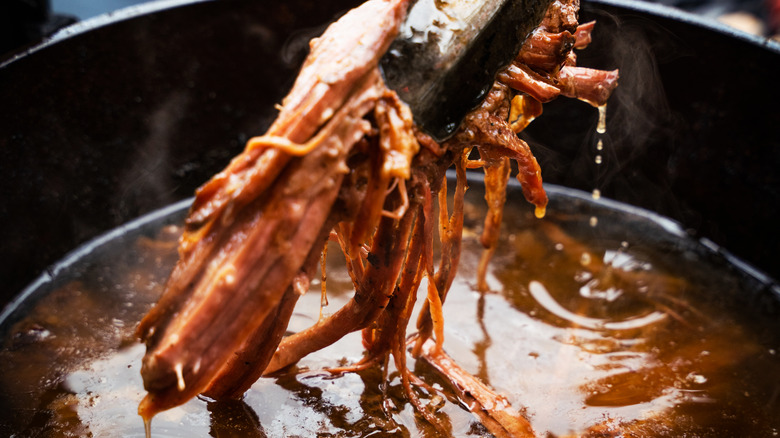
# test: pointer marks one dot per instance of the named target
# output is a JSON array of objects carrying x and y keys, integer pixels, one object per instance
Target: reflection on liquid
[
  {"x": 541, "y": 295},
  {"x": 588, "y": 329}
]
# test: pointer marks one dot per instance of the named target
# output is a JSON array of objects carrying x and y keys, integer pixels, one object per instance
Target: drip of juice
[
  {"x": 601, "y": 128},
  {"x": 148, "y": 427}
]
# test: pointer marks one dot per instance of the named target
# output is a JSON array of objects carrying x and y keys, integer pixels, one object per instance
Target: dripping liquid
[
  {"x": 601, "y": 129},
  {"x": 147, "y": 427},
  {"x": 581, "y": 330}
]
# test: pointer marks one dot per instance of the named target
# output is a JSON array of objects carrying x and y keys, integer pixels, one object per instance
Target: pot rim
[{"x": 154, "y": 6}]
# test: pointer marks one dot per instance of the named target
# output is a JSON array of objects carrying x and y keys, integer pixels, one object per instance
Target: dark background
[{"x": 25, "y": 22}]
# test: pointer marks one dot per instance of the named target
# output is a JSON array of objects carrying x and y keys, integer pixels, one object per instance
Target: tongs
[{"x": 447, "y": 53}]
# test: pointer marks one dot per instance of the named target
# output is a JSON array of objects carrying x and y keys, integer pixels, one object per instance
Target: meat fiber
[{"x": 344, "y": 162}]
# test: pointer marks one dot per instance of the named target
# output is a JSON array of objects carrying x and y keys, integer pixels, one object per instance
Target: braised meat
[{"x": 344, "y": 162}]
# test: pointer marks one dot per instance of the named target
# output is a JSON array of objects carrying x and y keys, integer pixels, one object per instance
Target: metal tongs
[{"x": 447, "y": 53}]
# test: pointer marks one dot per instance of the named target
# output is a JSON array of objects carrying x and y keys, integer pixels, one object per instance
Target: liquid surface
[{"x": 623, "y": 324}]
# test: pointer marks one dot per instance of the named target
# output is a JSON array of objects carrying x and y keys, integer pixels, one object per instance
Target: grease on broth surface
[{"x": 623, "y": 325}]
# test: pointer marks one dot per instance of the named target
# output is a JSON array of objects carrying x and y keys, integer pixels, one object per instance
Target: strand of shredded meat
[
  {"x": 343, "y": 161},
  {"x": 252, "y": 226}
]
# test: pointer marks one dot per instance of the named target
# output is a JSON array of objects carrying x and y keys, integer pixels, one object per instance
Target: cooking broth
[{"x": 624, "y": 323}]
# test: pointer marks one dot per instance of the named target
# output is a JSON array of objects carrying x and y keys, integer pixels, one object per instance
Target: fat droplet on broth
[
  {"x": 601, "y": 128},
  {"x": 585, "y": 259}
]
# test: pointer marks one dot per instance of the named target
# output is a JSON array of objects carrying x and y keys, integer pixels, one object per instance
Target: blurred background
[{"x": 25, "y": 22}]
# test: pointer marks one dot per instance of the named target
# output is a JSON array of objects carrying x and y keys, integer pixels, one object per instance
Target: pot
[
  {"x": 121, "y": 114},
  {"x": 124, "y": 114}
]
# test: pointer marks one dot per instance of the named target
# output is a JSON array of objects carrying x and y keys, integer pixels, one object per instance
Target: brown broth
[{"x": 626, "y": 325}]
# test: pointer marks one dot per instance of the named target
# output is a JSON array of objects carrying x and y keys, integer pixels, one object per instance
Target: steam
[
  {"x": 641, "y": 126},
  {"x": 145, "y": 181}
]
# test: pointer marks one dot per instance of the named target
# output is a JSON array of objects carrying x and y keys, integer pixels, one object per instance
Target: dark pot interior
[{"x": 121, "y": 116}]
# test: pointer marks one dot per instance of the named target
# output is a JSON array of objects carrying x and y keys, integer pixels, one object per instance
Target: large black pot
[{"x": 123, "y": 114}]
